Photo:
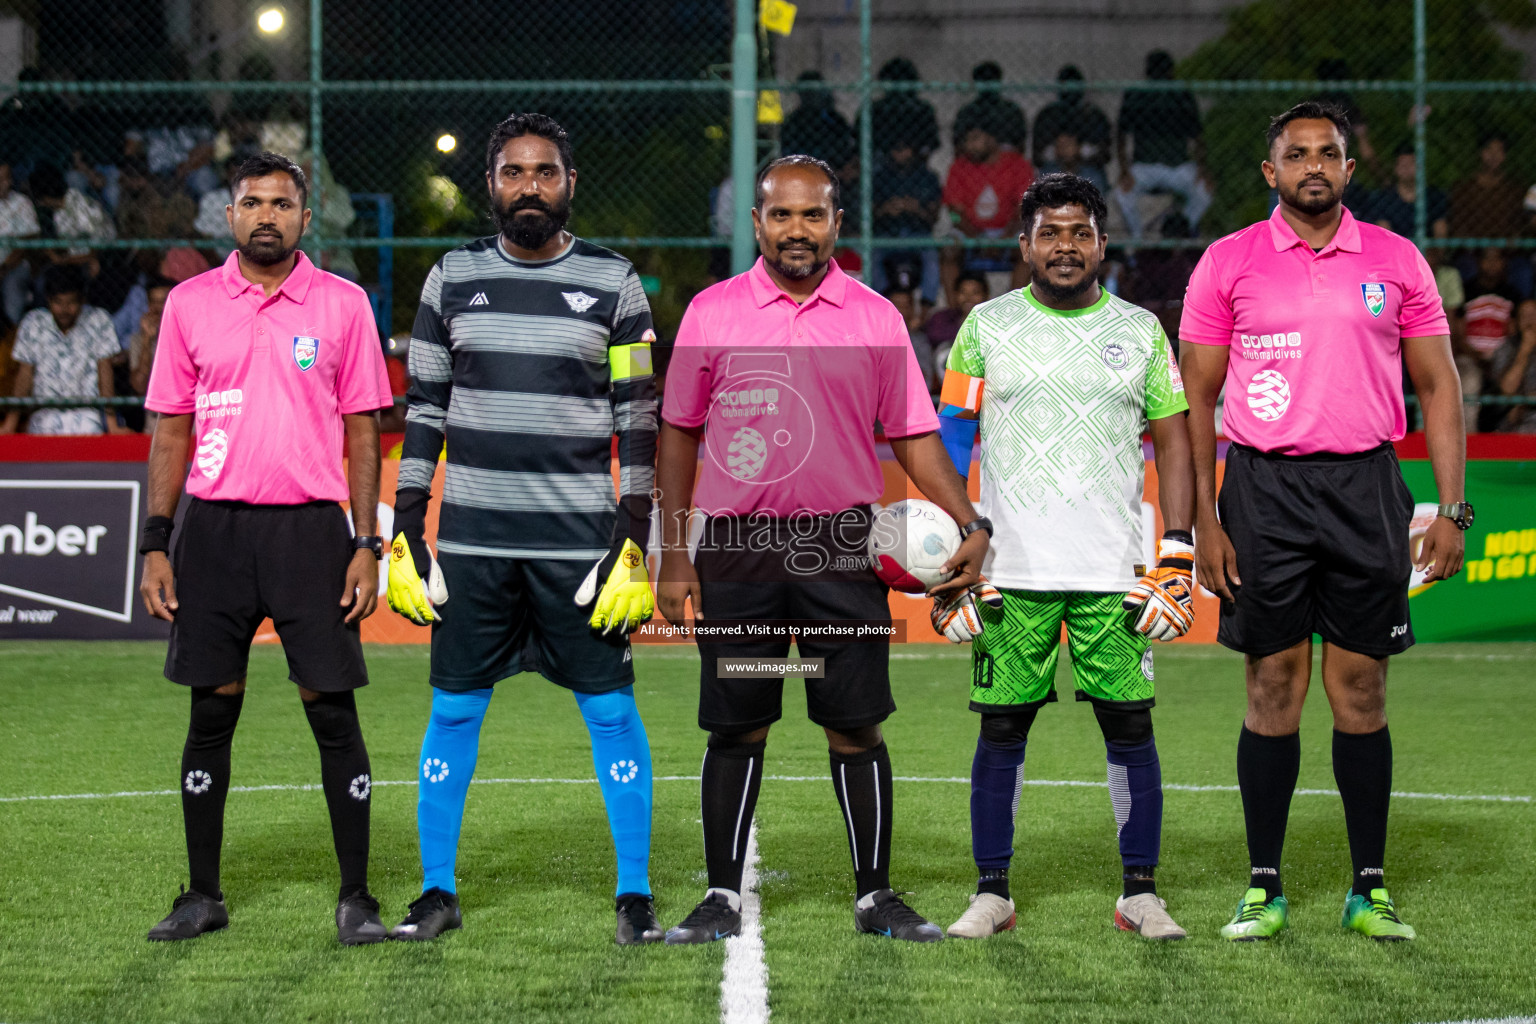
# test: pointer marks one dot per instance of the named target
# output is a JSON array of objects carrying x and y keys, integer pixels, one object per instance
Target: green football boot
[
  {"x": 1256, "y": 918},
  {"x": 1375, "y": 917}
]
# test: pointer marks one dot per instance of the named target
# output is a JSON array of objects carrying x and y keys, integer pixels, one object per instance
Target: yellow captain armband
[
  {"x": 961, "y": 394},
  {"x": 625, "y": 362}
]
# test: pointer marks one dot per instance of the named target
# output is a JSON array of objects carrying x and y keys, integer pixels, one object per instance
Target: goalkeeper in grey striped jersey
[{"x": 531, "y": 352}]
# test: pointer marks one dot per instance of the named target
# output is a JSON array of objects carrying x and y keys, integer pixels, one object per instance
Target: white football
[{"x": 908, "y": 542}]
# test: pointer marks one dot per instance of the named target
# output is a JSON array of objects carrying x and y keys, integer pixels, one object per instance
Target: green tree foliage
[{"x": 1362, "y": 40}]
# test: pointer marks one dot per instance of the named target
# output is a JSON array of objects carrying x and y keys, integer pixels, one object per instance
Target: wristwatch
[
  {"x": 372, "y": 543},
  {"x": 1458, "y": 512},
  {"x": 979, "y": 523}
]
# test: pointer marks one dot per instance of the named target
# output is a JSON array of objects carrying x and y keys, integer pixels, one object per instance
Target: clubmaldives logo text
[
  {"x": 218, "y": 404},
  {"x": 1279, "y": 345}
]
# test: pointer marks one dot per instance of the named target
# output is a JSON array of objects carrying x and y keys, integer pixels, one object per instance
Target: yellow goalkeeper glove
[
  {"x": 625, "y": 600},
  {"x": 407, "y": 591}
]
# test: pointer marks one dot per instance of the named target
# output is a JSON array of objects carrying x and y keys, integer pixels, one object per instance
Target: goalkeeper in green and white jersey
[{"x": 1062, "y": 378}]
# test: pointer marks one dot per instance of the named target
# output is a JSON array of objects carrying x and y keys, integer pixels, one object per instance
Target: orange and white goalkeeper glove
[
  {"x": 956, "y": 617},
  {"x": 1162, "y": 603}
]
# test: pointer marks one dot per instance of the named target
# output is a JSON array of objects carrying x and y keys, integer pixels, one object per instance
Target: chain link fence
[{"x": 121, "y": 119}]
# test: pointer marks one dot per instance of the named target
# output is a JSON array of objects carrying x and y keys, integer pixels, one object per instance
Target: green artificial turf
[{"x": 85, "y": 878}]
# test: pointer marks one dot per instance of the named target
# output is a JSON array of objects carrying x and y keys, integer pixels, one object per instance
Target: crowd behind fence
[{"x": 118, "y": 141}]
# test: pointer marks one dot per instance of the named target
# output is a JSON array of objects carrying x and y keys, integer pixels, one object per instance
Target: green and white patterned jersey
[{"x": 1067, "y": 396}]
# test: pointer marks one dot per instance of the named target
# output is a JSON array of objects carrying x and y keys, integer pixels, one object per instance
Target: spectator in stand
[
  {"x": 1073, "y": 115},
  {"x": 982, "y": 194},
  {"x": 816, "y": 128},
  {"x": 1490, "y": 321},
  {"x": 141, "y": 343},
  {"x": 182, "y": 153},
  {"x": 17, "y": 220},
  {"x": 971, "y": 290},
  {"x": 211, "y": 221},
  {"x": 176, "y": 266},
  {"x": 1166, "y": 148},
  {"x": 901, "y": 298},
  {"x": 68, "y": 214},
  {"x": 1513, "y": 367},
  {"x": 1156, "y": 279},
  {"x": 906, "y": 203},
  {"x": 990, "y": 111},
  {"x": 1490, "y": 203},
  {"x": 141, "y": 352},
  {"x": 901, "y": 116},
  {"x": 141, "y": 212},
  {"x": 1067, "y": 158},
  {"x": 64, "y": 351},
  {"x": 1392, "y": 207},
  {"x": 1368, "y": 167}
]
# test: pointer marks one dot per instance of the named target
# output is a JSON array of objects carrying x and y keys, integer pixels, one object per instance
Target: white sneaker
[
  {"x": 1147, "y": 915},
  {"x": 988, "y": 914}
]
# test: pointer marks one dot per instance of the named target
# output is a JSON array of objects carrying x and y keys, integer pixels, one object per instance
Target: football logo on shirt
[
  {"x": 304, "y": 352},
  {"x": 579, "y": 302},
  {"x": 746, "y": 454},
  {"x": 212, "y": 450},
  {"x": 1115, "y": 357},
  {"x": 1269, "y": 395},
  {"x": 1375, "y": 296}
]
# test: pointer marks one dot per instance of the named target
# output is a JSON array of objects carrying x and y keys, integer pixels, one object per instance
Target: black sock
[
  {"x": 995, "y": 881},
  {"x": 347, "y": 781},
  {"x": 731, "y": 777},
  {"x": 1137, "y": 880},
  {"x": 205, "y": 783},
  {"x": 1362, "y": 766},
  {"x": 863, "y": 786},
  {"x": 1267, "y": 767}
]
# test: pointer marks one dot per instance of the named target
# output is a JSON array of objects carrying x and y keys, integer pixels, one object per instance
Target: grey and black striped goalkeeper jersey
[{"x": 527, "y": 371}]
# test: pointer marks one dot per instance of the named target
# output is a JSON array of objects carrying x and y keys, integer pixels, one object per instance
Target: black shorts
[
  {"x": 237, "y": 564},
  {"x": 811, "y": 569},
  {"x": 509, "y": 615},
  {"x": 1322, "y": 547}
]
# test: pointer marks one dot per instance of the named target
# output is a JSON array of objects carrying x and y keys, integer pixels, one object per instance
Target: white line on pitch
[
  {"x": 1499, "y": 798},
  {"x": 744, "y": 983},
  {"x": 1494, "y": 1020}
]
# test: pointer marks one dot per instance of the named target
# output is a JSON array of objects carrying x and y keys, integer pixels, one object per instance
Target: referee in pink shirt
[
  {"x": 265, "y": 365},
  {"x": 783, "y": 373},
  {"x": 1307, "y": 319}
]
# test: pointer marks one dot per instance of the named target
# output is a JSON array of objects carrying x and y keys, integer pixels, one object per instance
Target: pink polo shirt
[
  {"x": 789, "y": 394},
  {"x": 269, "y": 379},
  {"x": 1315, "y": 338}
]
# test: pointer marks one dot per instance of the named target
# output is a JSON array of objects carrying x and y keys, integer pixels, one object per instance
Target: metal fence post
[
  {"x": 866, "y": 147},
  {"x": 1420, "y": 128},
  {"x": 316, "y": 182},
  {"x": 743, "y": 135}
]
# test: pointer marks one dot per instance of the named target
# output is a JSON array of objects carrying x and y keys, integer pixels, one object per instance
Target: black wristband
[
  {"x": 632, "y": 521},
  {"x": 156, "y": 534},
  {"x": 1182, "y": 536}
]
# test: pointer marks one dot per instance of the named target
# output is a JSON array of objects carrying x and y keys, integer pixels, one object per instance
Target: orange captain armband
[{"x": 961, "y": 395}]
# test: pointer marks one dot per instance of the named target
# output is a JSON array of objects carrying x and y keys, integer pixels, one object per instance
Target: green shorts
[{"x": 1013, "y": 663}]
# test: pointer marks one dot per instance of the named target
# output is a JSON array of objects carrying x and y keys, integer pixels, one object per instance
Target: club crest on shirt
[
  {"x": 1115, "y": 356},
  {"x": 580, "y": 302},
  {"x": 304, "y": 352},
  {"x": 1375, "y": 295}
]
